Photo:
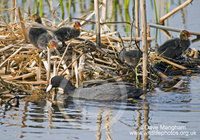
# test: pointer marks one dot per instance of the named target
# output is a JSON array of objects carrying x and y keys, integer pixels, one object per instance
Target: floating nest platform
[{"x": 81, "y": 61}]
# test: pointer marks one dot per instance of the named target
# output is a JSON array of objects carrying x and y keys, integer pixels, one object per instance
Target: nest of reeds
[
  {"x": 80, "y": 61},
  {"x": 20, "y": 61}
]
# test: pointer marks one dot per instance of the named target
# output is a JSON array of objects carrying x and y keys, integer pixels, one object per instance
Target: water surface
[{"x": 169, "y": 115}]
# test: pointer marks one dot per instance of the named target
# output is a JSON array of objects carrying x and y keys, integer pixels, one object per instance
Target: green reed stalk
[
  {"x": 69, "y": 4},
  {"x": 126, "y": 4},
  {"x": 62, "y": 8},
  {"x": 128, "y": 19},
  {"x": 34, "y": 6},
  {"x": 82, "y": 5},
  {"x": 156, "y": 13},
  {"x": 41, "y": 7},
  {"x": 167, "y": 8},
  {"x": 168, "y": 5},
  {"x": 127, "y": 16}
]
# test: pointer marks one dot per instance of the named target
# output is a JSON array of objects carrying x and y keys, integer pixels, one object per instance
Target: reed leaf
[
  {"x": 156, "y": 16},
  {"x": 156, "y": 13},
  {"x": 167, "y": 8},
  {"x": 41, "y": 7},
  {"x": 62, "y": 8},
  {"x": 69, "y": 4},
  {"x": 126, "y": 4},
  {"x": 168, "y": 5},
  {"x": 34, "y": 6},
  {"x": 127, "y": 18}
]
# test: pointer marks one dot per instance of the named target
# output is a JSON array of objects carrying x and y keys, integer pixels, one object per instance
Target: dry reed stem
[
  {"x": 174, "y": 11},
  {"x": 2, "y": 64},
  {"x": 26, "y": 67},
  {"x": 178, "y": 84},
  {"x": 63, "y": 22},
  {"x": 103, "y": 66},
  {"x": 31, "y": 82},
  {"x": 61, "y": 60},
  {"x": 97, "y": 17},
  {"x": 70, "y": 64},
  {"x": 171, "y": 63},
  {"x": 23, "y": 26},
  {"x": 171, "y": 29},
  {"x": 9, "y": 28},
  {"x": 55, "y": 70},
  {"x": 49, "y": 64},
  {"x": 75, "y": 66},
  {"x": 144, "y": 41},
  {"x": 81, "y": 67},
  {"x": 104, "y": 10},
  {"x": 43, "y": 26},
  {"x": 96, "y": 59},
  {"x": 6, "y": 48},
  {"x": 25, "y": 76}
]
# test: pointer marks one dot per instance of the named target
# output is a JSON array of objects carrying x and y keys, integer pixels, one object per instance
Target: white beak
[{"x": 49, "y": 88}]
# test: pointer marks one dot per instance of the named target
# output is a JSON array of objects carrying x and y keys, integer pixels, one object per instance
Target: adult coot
[
  {"x": 174, "y": 48},
  {"x": 131, "y": 57},
  {"x": 66, "y": 33},
  {"x": 106, "y": 92}
]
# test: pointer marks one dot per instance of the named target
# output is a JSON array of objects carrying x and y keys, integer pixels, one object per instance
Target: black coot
[
  {"x": 106, "y": 92},
  {"x": 40, "y": 38},
  {"x": 174, "y": 48},
  {"x": 34, "y": 33},
  {"x": 131, "y": 57},
  {"x": 46, "y": 40},
  {"x": 66, "y": 33}
]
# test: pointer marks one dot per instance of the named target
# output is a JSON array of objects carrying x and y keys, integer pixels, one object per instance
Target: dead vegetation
[{"x": 80, "y": 61}]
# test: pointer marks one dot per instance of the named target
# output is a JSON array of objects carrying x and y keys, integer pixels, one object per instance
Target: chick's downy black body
[
  {"x": 40, "y": 38},
  {"x": 34, "y": 34},
  {"x": 66, "y": 33},
  {"x": 175, "y": 47},
  {"x": 43, "y": 41},
  {"x": 106, "y": 92},
  {"x": 131, "y": 57}
]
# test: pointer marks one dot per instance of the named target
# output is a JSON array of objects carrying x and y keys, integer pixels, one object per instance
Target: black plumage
[
  {"x": 34, "y": 34},
  {"x": 44, "y": 40},
  {"x": 120, "y": 91},
  {"x": 66, "y": 33},
  {"x": 40, "y": 38},
  {"x": 131, "y": 57},
  {"x": 175, "y": 47}
]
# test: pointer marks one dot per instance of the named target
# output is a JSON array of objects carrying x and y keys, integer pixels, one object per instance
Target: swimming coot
[
  {"x": 174, "y": 48},
  {"x": 106, "y": 92},
  {"x": 131, "y": 57},
  {"x": 66, "y": 33}
]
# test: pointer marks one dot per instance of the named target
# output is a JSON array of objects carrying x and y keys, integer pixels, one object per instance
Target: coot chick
[
  {"x": 66, "y": 33},
  {"x": 34, "y": 33},
  {"x": 43, "y": 41},
  {"x": 106, "y": 92},
  {"x": 131, "y": 57},
  {"x": 174, "y": 48}
]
